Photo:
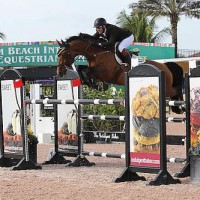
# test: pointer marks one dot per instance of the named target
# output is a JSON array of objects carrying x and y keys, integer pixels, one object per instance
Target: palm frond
[
  {"x": 2, "y": 36},
  {"x": 161, "y": 35},
  {"x": 172, "y": 9}
]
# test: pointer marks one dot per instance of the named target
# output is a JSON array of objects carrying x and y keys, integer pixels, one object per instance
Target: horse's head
[
  {"x": 83, "y": 44},
  {"x": 72, "y": 47},
  {"x": 65, "y": 57}
]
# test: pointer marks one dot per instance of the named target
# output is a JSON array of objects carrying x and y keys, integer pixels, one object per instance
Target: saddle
[{"x": 112, "y": 48}]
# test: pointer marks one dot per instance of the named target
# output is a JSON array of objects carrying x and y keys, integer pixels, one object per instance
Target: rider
[{"x": 114, "y": 34}]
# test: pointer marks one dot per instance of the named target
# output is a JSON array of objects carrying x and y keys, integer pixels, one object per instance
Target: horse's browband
[{"x": 60, "y": 51}]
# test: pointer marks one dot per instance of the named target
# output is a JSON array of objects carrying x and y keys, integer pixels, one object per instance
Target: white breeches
[{"x": 125, "y": 43}]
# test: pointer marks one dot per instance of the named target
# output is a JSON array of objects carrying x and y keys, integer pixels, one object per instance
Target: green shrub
[{"x": 103, "y": 125}]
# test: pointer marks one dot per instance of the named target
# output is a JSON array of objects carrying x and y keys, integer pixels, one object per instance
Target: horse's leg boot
[
  {"x": 80, "y": 73},
  {"x": 87, "y": 74},
  {"x": 177, "y": 109},
  {"x": 127, "y": 56}
]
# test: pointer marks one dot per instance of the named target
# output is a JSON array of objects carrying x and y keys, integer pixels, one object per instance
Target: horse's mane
[
  {"x": 86, "y": 36},
  {"x": 72, "y": 38},
  {"x": 82, "y": 36},
  {"x": 94, "y": 41}
]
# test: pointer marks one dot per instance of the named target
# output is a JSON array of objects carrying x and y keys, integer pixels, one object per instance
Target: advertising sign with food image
[
  {"x": 67, "y": 134},
  {"x": 144, "y": 122},
  {"x": 11, "y": 101},
  {"x": 194, "y": 116},
  {"x": 67, "y": 116}
]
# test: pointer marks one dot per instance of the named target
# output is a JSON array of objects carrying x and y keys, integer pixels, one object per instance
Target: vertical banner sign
[
  {"x": 144, "y": 122},
  {"x": 11, "y": 101},
  {"x": 67, "y": 114},
  {"x": 195, "y": 116}
]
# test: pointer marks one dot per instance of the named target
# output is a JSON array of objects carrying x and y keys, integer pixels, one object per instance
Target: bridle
[
  {"x": 61, "y": 50},
  {"x": 63, "y": 46}
]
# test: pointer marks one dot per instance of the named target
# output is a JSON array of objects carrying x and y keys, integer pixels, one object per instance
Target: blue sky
[{"x": 48, "y": 20}]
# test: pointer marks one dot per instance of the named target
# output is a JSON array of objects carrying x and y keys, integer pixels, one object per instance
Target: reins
[{"x": 94, "y": 55}]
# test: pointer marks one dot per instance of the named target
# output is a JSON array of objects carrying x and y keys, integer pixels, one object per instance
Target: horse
[{"x": 103, "y": 66}]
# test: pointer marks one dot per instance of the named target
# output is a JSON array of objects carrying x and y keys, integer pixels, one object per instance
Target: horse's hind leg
[
  {"x": 178, "y": 97},
  {"x": 174, "y": 93},
  {"x": 177, "y": 85},
  {"x": 177, "y": 109}
]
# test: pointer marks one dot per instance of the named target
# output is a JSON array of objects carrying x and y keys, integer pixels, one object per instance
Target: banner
[{"x": 30, "y": 54}]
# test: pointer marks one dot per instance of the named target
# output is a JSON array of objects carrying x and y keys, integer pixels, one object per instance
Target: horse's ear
[
  {"x": 63, "y": 43},
  {"x": 80, "y": 35},
  {"x": 59, "y": 43}
]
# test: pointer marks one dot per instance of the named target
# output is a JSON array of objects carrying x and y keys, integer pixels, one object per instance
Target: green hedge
[{"x": 103, "y": 125}]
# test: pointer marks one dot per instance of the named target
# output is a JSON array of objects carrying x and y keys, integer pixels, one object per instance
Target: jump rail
[
  {"x": 123, "y": 156},
  {"x": 122, "y": 118},
  {"x": 90, "y": 101},
  {"x": 75, "y": 101}
]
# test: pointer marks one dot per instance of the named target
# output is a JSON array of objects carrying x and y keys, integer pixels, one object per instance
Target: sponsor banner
[
  {"x": 144, "y": 120},
  {"x": 30, "y": 54},
  {"x": 194, "y": 116},
  {"x": 67, "y": 114},
  {"x": 145, "y": 159},
  {"x": 11, "y": 112}
]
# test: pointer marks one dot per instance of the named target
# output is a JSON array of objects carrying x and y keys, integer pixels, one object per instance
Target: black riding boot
[{"x": 127, "y": 56}]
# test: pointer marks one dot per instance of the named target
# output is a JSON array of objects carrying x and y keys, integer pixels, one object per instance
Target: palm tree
[
  {"x": 173, "y": 9},
  {"x": 2, "y": 36},
  {"x": 142, "y": 27}
]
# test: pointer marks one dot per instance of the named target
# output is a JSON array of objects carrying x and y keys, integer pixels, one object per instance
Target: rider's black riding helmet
[{"x": 99, "y": 22}]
